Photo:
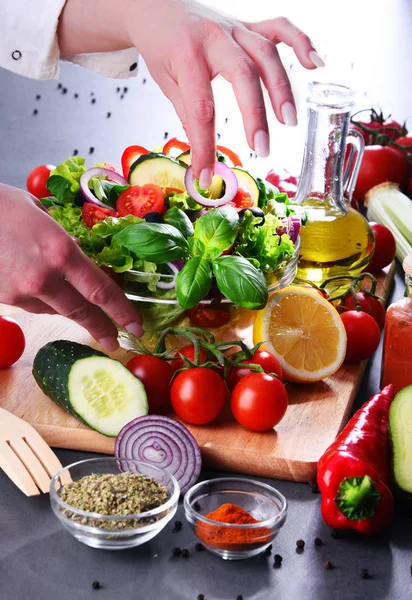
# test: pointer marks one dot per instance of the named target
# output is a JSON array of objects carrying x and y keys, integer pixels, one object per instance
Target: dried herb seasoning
[
  {"x": 318, "y": 542},
  {"x": 300, "y": 544},
  {"x": 114, "y": 495},
  {"x": 328, "y": 565},
  {"x": 96, "y": 585}
]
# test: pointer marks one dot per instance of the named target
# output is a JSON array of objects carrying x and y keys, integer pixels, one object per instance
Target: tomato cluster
[{"x": 198, "y": 391}]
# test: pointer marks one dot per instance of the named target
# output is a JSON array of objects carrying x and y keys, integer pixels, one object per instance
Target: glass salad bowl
[{"x": 161, "y": 312}]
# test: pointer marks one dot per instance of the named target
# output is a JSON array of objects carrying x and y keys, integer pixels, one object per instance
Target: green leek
[{"x": 387, "y": 205}]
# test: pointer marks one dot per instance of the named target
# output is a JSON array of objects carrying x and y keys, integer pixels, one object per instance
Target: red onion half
[
  {"x": 291, "y": 226},
  {"x": 164, "y": 443},
  {"x": 228, "y": 177},
  {"x": 96, "y": 172}
]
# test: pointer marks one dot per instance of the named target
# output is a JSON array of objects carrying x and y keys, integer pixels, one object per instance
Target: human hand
[
  {"x": 185, "y": 45},
  {"x": 44, "y": 271}
]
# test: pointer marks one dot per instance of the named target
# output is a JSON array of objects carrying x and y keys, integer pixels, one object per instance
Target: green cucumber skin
[
  {"x": 52, "y": 365},
  {"x": 402, "y": 496}
]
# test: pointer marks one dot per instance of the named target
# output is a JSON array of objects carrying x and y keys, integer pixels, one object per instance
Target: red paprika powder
[{"x": 231, "y": 537}]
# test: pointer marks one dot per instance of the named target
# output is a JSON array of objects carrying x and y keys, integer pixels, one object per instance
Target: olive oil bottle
[{"x": 336, "y": 240}]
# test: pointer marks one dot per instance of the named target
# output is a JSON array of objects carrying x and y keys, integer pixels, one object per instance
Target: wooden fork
[{"x": 24, "y": 455}]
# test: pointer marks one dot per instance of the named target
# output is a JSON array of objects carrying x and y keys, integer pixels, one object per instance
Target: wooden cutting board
[{"x": 316, "y": 412}]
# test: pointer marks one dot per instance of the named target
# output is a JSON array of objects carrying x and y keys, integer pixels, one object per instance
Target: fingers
[
  {"x": 282, "y": 30},
  {"x": 103, "y": 293},
  {"x": 241, "y": 70},
  {"x": 199, "y": 108},
  {"x": 265, "y": 55},
  {"x": 35, "y": 306},
  {"x": 67, "y": 301}
]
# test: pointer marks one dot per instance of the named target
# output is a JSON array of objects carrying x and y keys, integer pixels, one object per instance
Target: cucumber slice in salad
[
  {"x": 246, "y": 181},
  {"x": 98, "y": 390},
  {"x": 160, "y": 169},
  {"x": 216, "y": 189}
]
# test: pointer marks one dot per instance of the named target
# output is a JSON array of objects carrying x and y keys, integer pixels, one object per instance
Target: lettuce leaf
[
  {"x": 64, "y": 180},
  {"x": 182, "y": 201}
]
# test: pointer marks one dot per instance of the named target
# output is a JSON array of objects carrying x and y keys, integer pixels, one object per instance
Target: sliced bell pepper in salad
[{"x": 131, "y": 154}]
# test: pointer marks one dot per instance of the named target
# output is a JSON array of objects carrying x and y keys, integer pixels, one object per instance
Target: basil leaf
[
  {"x": 218, "y": 228},
  {"x": 196, "y": 247},
  {"x": 240, "y": 281},
  {"x": 193, "y": 282},
  {"x": 180, "y": 220},
  {"x": 156, "y": 242},
  {"x": 59, "y": 187}
]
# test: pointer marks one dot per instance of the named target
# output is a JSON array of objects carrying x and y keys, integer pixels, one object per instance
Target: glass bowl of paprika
[{"x": 234, "y": 517}]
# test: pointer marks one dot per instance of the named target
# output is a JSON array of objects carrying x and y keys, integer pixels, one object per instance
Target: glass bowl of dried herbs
[
  {"x": 235, "y": 517},
  {"x": 112, "y": 503}
]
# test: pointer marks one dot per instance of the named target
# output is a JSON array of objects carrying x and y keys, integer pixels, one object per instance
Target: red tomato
[
  {"x": 138, "y": 200},
  {"x": 266, "y": 360},
  {"x": 111, "y": 167},
  {"x": 12, "y": 342},
  {"x": 189, "y": 352},
  {"x": 385, "y": 248},
  {"x": 131, "y": 154},
  {"x": 170, "y": 190},
  {"x": 232, "y": 156},
  {"x": 36, "y": 181},
  {"x": 321, "y": 292},
  {"x": 155, "y": 374},
  {"x": 259, "y": 402},
  {"x": 198, "y": 395},
  {"x": 378, "y": 130},
  {"x": 93, "y": 214},
  {"x": 405, "y": 141},
  {"x": 207, "y": 316},
  {"x": 175, "y": 143},
  {"x": 242, "y": 200},
  {"x": 410, "y": 188},
  {"x": 368, "y": 304},
  {"x": 363, "y": 335},
  {"x": 380, "y": 164}
]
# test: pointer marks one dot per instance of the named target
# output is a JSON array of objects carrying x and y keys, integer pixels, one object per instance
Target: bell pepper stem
[{"x": 358, "y": 498}]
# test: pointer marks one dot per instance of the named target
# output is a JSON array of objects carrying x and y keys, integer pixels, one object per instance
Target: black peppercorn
[
  {"x": 75, "y": 152},
  {"x": 121, "y": 96},
  {"x": 91, "y": 93},
  {"x": 314, "y": 487},
  {"x": 226, "y": 120},
  {"x": 125, "y": 89},
  {"x": 300, "y": 544},
  {"x": 239, "y": 597},
  {"x": 59, "y": 86},
  {"x": 35, "y": 111},
  {"x": 318, "y": 542},
  {"x": 133, "y": 66},
  {"x": 96, "y": 585},
  {"x": 166, "y": 135},
  {"x": 336, "y": 534},
  {"x": 184, "y": 553},
  {"x": 268, "y": 551},
  {"x": 411, "y": 570},
  {"x": 117, "y": 89},
  {"x": 200, "y": 597},
  {"x": 199, "y": 547},
  {"x": 144, "y": 81},
  {"x": 109, "y": 114},
  {"x": 178, "y": 525},
  {"x": 364, "y": 574},
  {"x": 176, "y": 551},
  {"x": 76, "y": 95},
  {"x": 250, "y": 155},
  {"x": 327, "y": 564},
  {"x": 91, "y": 149},
  {"x": 38, "y": 97},
  {"x": 64, "y": 91},
  {"x": 278, "y": 559},
  {"x": 93, "y": 101}
]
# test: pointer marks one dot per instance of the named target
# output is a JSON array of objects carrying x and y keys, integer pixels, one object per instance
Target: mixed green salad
[{"x": 171, "y": 239}]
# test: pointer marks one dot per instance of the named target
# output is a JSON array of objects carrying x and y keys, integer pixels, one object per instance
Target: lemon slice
[{"x": 304, "y": 331}]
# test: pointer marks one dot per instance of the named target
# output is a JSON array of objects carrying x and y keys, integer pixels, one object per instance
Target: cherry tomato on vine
[
  {"x": 385, "y": 248},
  {"x": 259, "y": 401},
  {"x": 155, "y": 374},
  {"x": 368, "y": 304},
  {"x": 380, "y": 164},
  {"x": 198, "y": 395},
  {"x": 363, "y": 335},
  {"x": 12, "y": 342},
  {"x": 381, "y": 129},
  {"x": 36, "y": 181},
  {"x": 189, "y": 352},
  {"x": 92, "y": 213},
  {"x": 265, "y": 359},
  {"x": 138, "y": 200},
  {"x": 208, "y": 317},
  {"x": 320, "y": 291}
]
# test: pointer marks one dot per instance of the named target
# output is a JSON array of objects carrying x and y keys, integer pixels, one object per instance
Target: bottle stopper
[{"x": 407, "y": 265}]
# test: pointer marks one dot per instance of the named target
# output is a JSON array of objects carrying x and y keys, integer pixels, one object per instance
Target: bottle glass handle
[{"x": 356, "y": 145}]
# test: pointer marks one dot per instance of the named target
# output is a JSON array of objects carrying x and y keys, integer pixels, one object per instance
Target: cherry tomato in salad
[
  {"x": 208, "y": 316},
  {"x": 12, "y": 342},
  {"x": 36, "y": 181},
  {"x": 138, "y": 200},
  {"x": 156, "y": 375},
  {"x": 385, "y": 248},
  {"x": 376, "y": 129},
  {"x": 380, "y": 164},
  {"x": 92, "y": 213},
  {"x": 111, "y": 167},
  {"x": 198, "y": 395},
  {"x": 131, "y": 154},
  {"x": 174, "y": 143},
  {"x": 368, "y": 304},
  {"x": 265, "y": 359},
  {"x": 242, "y": 200},
  {"x": 259, "y": 402},
  {"x": 232, "y": 156},
  {"x": 363, "y": 335}
]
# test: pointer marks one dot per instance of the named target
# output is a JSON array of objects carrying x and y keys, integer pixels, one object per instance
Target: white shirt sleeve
[{"x": 29, "y": 46}]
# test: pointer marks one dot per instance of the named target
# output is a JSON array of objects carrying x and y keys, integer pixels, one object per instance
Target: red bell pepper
[
  {"x": 354, "y": 473},
  {"x": 131, "y": 154}
]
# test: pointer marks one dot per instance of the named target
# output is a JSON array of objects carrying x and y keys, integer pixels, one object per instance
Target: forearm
[{"x": 87, "y": 26}]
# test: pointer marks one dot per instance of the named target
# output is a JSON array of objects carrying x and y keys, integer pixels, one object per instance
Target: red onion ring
[
  {"x": 162, "y": 442},
  {"x": 96, "y": 172},
  {"x": 228, "y": 177},
  {"x": 175, "y": 268}
]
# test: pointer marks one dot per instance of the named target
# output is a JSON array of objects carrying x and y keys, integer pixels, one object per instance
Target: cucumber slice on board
[
  {"x": 160, "y": 169},
  {"x": 247, "y": 182},
  {"x": 216, "y": 189},
  {"x": 99, "y": 390},
  {"x": 400, "y": 435}
]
